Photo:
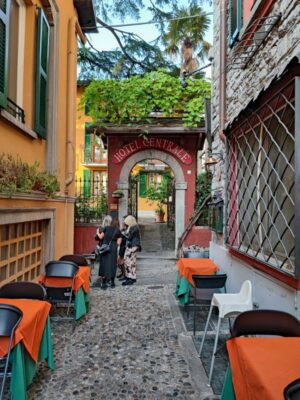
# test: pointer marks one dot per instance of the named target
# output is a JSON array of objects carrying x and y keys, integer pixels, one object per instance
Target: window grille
[
  {"x": 261, "y": 182},
  {"x": 21, "y": 251}
]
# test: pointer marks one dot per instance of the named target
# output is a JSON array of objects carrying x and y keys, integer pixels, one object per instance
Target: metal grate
[
  {"x": 91, "y": 199},
  {"x": 252, "y": 39},
  {"x": 261, "y": 182}
]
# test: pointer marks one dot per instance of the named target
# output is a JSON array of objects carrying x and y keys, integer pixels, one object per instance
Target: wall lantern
[{"x": 210, "y": 160}]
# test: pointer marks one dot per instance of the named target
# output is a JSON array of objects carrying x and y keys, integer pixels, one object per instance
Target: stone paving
[{"x": 131, "y": 345}]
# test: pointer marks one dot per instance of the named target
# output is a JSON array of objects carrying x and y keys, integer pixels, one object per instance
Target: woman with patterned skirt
[{"x": 133, "y": 245}]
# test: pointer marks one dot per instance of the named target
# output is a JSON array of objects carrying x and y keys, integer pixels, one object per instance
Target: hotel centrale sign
[{"x": 153, "y": 143}]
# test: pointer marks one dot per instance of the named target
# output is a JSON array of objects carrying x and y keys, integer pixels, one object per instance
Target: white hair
[{"x": 107, "y": 220}]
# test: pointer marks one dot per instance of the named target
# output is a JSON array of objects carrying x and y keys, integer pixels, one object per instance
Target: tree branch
[{"x": 131, "y": 59}]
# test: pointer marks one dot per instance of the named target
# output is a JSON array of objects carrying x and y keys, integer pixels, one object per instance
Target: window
[
  {"x": 21, "y": 250},
  {"x": 261, "y": 182},
  {"x": 41, "y": 83},
  {"x": 235, "y": 19},
  {"x": 94, "y": 151},
  {"x": 99, "y": 182},
  {"x": 4, "y": 37}
]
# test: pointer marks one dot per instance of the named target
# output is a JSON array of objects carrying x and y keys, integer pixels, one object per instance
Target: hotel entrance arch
[{"x": 180, "y": 184}]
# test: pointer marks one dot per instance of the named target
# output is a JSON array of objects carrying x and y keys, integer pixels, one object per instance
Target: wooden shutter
[
  {"x": 4, "y": 37},
  {"x": 87, "y": 146},
  {"x": 86, "y": 183},
  {"x": 41, "y": 80},
  {"x": 143, "y": 184}
]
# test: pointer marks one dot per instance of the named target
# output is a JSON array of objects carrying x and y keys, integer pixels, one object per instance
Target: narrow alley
[{"x": 131, "y": 345}]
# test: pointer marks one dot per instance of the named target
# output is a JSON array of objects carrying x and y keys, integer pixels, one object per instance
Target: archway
[{"x": 180, "y": 184}]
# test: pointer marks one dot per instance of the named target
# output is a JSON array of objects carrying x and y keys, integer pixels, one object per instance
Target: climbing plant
[{"x": 134, "y": 100}]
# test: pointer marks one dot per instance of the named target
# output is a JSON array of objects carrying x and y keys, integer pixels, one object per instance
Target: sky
[{"x": 104, "y": 40}]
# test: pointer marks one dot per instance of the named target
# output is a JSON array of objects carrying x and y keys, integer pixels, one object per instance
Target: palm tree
[{"x": 186, "y": 35}]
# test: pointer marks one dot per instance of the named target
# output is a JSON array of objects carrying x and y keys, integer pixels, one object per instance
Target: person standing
[
  {"x": 133, "y": 245},
  {"x": 109, "y": 234}
]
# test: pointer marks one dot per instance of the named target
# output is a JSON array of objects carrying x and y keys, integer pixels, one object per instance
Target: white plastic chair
[{"x": 228, "y": 305}]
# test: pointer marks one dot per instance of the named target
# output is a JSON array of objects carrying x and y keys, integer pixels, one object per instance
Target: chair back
[
  {"x": 292, "y": 391},
  {"x": 266, "y": 322},
  {"x": 196, "y": 254},
  {"x": 76, "y": 258},
  {"x": 10, "y": 318},
  {"x": 210, "y": 281},
  {"x": 61, "y": 269},
  {"x": 246, "y": 292},
  {"x": 23, "y": 290}
]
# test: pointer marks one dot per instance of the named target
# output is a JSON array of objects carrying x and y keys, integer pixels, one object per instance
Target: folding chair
[
  {"x": 61, "y": 269},
  {"x": 76, "y": 258},
  {"x": 217, "y": 281},
  {"x": 10, "y": 318},
  {"x": 23, "y": 290}
]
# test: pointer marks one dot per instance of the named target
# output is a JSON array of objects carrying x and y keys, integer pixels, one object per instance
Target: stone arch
[{"x": 180, "y": 184}]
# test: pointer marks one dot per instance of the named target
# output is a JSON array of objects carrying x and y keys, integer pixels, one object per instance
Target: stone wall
[{"x": 244, "y": 85}]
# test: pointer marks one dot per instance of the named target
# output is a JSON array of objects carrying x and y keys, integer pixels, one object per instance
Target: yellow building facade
[{"x": 38, "y": 72}]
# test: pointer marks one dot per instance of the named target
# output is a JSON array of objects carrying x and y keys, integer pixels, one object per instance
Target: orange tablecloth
[
  {"x": 31, "y": 327},
  {"x": 188, "y": 267},
  {"x": 263, "y": 367},
  {"x": 82, "y": 279}
]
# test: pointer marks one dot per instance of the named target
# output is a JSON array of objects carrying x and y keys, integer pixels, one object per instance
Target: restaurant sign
[{"x": 153, "y": 143}]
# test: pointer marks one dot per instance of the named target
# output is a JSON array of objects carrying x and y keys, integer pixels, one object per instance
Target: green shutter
[
  {"x": 86, "y": 183},
  {"x": 143, "y": 184},
  {"x": 4, "y": 37},
  {"x": 41, "y": 80},
  {"x": 87, "y": 146}
]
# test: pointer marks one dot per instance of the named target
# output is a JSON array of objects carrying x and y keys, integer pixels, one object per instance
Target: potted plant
[
  {"x": 159, "y": 213},
  {"x": 117, "y": 194},
  {"x": 159, "y": 195}
]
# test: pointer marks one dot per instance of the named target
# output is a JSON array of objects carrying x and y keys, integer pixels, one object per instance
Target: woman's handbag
[{"x": 104, "y": 248}]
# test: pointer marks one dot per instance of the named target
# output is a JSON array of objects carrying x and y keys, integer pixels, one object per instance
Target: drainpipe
[
  {"x": 222, "y": 78},
  {"x": 71, "y": 102}
]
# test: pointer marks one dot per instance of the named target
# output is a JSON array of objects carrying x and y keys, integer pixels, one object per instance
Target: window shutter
[
  {"x": 4, "y": 36},
  {"x": 41, "y": 82},
  {"x": 86, "y": 183},
  {"x": 87, "y": 147},
  {"x": 143, "y": 184},
  {"x": 235, "y": 20}
]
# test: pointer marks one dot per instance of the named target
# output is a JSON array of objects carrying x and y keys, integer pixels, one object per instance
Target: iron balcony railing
[
  {"x": 91, "y": 200},
  {"x": 15, "y": 111}
]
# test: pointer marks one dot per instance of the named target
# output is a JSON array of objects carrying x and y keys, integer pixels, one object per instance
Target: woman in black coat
[
  {"x": 109, "y": 234},
  {"x": 133, "y": 245}
]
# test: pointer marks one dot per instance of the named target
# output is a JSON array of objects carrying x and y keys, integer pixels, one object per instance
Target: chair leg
[
  {"x": 194, "y": 311},
  {"x": 214, "y": 351},
  {"x": 205, "y": 330}
]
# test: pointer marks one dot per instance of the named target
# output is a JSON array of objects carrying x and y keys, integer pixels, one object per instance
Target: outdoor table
[
  {"x": 260, "y": 368},
  {"x": 32, "y": 343},
  {"x": 187, "y": 267},
  {"x": 81, "y": 288}
]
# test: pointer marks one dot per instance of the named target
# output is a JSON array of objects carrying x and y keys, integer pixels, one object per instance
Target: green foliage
[
  {"x": 133, "y": 100},
  {"x": 158, "y": 194},
  {"x": 203, "y": 188},
  {"x": 133, "y": 55},
  {"x": 193, "y": 28},
  {"x": 19, "y": 176},
  {"x": 92, "y": 208}
]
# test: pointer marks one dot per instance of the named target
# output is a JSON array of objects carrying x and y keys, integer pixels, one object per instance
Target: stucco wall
[{"x": 268, "y": 293}]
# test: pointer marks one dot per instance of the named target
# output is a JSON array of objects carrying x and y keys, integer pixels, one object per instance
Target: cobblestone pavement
[{"x": 131, "y": 345}]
